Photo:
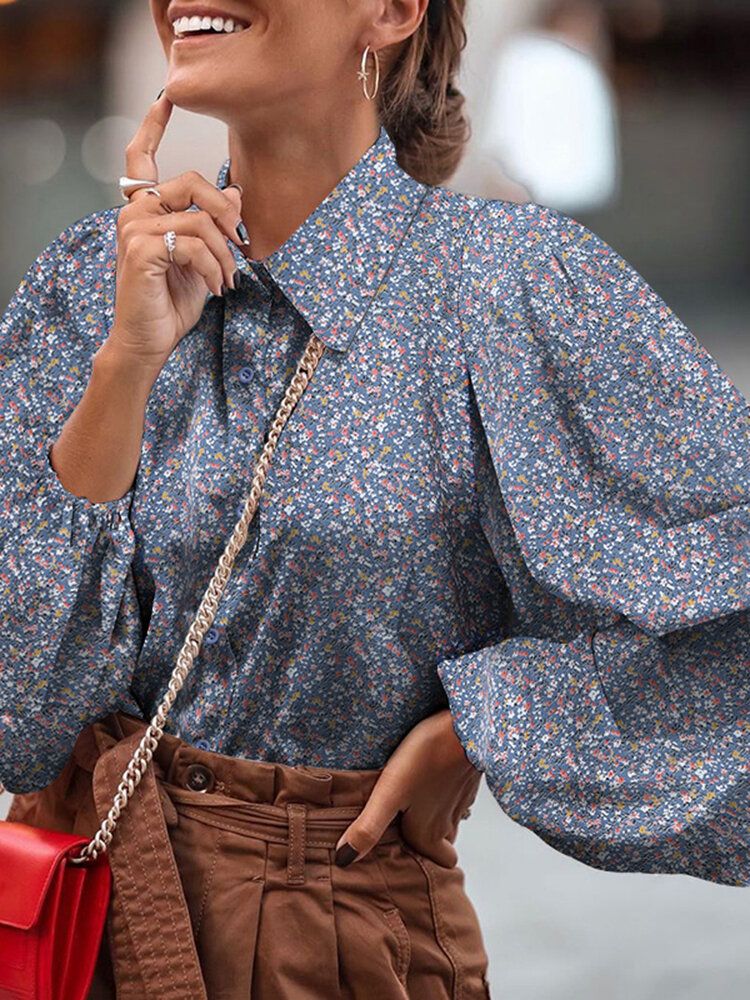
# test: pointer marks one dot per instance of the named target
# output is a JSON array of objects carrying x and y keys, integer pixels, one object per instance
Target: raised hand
[{"x": 157, "y": 301}]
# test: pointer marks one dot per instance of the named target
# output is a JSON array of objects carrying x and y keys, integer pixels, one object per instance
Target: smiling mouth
[{"x": 186, "y": 27}]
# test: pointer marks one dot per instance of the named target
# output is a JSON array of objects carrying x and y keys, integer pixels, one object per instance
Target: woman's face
[{"x": 297, "y": 57}]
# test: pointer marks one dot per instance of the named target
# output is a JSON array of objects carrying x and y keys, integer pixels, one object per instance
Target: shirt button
[
  {"x": 246, "y": 375},
  {"x": 240, "y": 509},
  {"x": 202, "y": 744},
  {"x": 199, "y": 778},
  {"x": 211, "y": 636}
]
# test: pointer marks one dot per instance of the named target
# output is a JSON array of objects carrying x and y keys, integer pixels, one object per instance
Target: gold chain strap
[{"x": 207, "y": 610}]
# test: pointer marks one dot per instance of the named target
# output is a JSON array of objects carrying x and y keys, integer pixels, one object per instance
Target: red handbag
[
  {"x": 55, "y": 887},
  {"x": 53, "y": 913}
]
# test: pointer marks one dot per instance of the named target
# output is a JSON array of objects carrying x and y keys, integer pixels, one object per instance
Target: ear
[{"x": 395, "y": 21}]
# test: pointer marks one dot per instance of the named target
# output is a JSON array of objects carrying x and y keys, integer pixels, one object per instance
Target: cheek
[
  {"x": 164, "y": 32},
  {"x": 318, "y": 40},
  {"x": 161, "y": 22}
]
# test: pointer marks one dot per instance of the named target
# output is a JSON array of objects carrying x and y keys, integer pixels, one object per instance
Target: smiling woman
[{"x": 172, "y": 424}]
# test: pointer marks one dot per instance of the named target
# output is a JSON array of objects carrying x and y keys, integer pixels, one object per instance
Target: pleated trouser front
[{"x": 232, "y": 892}]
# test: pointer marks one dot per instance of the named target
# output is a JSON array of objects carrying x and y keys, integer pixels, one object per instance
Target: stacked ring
[{"x": 170, "y": 238}]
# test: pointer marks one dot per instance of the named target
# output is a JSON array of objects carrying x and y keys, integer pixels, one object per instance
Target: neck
[{"x": 287, "y": 172}]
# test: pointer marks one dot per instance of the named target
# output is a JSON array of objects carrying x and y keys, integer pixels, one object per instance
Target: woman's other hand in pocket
[{"x": 429, "y": 780}]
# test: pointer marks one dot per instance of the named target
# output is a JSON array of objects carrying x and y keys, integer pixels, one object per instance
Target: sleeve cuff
[{"x": 50, "y": 490}]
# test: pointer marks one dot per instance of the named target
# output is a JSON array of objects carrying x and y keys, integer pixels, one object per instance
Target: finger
[
  {"x": 192, "y": 188},
  {"x": 189, "y": 251},
  {"x": 140, "y": 152},
  {"x": 378, "y": 812},
  {"x": 192, "y": 251},
  {"x": 235, "y": 196},
  {"x": 149, "y": 204},
  {"x": 141, "y": 203},
  {"x": 198, "y": 224}
]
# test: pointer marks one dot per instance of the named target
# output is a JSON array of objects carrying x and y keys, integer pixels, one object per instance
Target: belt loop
[{"x": 297, "y": 820}]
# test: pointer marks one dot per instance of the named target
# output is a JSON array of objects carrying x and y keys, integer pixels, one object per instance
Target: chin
[{"x": 198, "y": 94}]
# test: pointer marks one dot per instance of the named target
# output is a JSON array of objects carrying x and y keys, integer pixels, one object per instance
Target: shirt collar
[{"x": 333, "y": 264}]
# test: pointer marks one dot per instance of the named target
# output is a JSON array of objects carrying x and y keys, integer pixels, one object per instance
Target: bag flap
[{"x": 29, "y": 858}]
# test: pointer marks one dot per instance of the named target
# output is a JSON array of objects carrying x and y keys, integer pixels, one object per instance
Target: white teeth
[{"x": 222, "y": 25}]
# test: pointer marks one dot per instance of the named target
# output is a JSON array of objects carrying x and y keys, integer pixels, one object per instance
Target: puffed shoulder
[
  {"x": 58, "y": 316},
  {"x": 89, "y": 238},
  {"x": 65, "y": 297},
  {"x": 620, "y": 445}
]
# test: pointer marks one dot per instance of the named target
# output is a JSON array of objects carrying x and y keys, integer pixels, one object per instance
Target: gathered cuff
[
  {"x": 78, "y": 514},
  {"x": 622, "y": 750}
]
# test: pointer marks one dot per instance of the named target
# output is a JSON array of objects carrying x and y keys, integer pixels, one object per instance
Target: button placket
[{"x": 241, "y": 376}]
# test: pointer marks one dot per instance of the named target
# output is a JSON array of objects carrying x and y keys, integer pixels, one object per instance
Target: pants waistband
[
  {"x": 304, "y": 807},
  {"x": 274, "y": 802},
  {"x": 318, "y": 827}
]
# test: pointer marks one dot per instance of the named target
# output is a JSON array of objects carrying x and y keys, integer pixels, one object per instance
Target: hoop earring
[{"x": 363, "y": 74}]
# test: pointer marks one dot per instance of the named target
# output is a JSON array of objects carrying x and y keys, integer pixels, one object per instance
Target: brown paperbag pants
[{"x": 225, "y": 886}]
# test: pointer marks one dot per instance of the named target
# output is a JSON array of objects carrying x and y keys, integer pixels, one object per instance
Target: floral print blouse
[{"x": 516, "y": 486}]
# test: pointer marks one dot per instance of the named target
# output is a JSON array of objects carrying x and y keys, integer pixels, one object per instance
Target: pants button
[{"x": 199, "y": 778}]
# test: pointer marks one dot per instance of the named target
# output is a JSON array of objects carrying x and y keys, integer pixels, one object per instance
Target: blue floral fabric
[{"x": 516, "y": 486}]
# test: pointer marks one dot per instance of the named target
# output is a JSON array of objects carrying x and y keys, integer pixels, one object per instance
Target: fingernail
[
  {"x": 224, "y": 288},
  {"x": 235, "y": 185},
  {"x": 242, "y": 232},
  {"x": 236, "y": 279},
  {"x": 160, "y": 93},
  {"x": 345, "y": 855}
]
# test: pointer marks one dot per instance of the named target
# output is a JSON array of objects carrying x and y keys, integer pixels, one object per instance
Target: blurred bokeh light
[
  {"x": 102, "y": 145},
  {"x": 36, "y": 149},
  {"x": 552, "y": 122}
]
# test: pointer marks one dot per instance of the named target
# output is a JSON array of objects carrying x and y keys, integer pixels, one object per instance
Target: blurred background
[{"x": 633, "y": 116}]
